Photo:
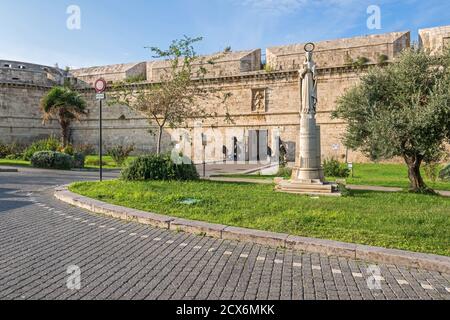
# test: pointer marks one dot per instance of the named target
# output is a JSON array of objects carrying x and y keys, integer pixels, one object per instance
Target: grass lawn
[
  {"x": 110, "y": 164},
  {"x": 385, "y": 175},
  {"x": 398, "y": 220},
  {"x": 14, "y": 163}
]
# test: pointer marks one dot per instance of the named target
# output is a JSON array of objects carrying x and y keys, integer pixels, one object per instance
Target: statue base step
[{"x": 308, "y": 187}]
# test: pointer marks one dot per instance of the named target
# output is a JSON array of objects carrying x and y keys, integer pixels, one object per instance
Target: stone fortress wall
[
  {"x": 264, "y": 101},
  {"x": 22, "y": 85},
  {"x": 435, "y": 39}
]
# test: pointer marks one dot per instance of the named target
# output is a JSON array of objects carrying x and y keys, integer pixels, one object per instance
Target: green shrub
[
  {"x": 158, "y": 167},
  {"x": 49, "y": 144},
  {"x": 445, "y": 173},
  {"x": 343, "y": 190},
  {"x": 334, "y": 168},
  {"x": 120, "y": 154},
  {"x": 67, "y": 150},
  {"x": 10, "y": 149},
  {"x": 78, "y": 160},
  {"x": 432, "y": 171},
  {"x": 284, "y": 172},
  {"x": 4, "y": 150},
  {"x": 86, "y": 149},
  {"x": 52, "y": 160},
  {"x": 17, "y": 156}
]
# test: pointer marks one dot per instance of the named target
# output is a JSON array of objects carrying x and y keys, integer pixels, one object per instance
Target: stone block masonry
[{"x": 264, "y": 102}]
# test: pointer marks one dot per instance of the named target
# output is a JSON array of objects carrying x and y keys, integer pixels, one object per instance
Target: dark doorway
[{"x": 258, "y": 145}]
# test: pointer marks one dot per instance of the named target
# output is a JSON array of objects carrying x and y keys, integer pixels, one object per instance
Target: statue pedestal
[
  {"x": 307, "y": 175},
  {"x": 315, "y": 187}
]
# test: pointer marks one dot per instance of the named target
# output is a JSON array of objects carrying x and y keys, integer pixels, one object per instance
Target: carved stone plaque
[{"x": 259, "y": 100}]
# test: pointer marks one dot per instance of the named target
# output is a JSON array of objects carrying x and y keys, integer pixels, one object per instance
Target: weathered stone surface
[
  {"x": 237, "y": 73},
  {"x": 405, "y": 258},
  {"x": 262, "y": 237},
  {"x": 197, "y": 227},
  {"x": 435, "y": 39},
  {"x": 327, "y": 247},
  {"x": 114, "y": 211}
]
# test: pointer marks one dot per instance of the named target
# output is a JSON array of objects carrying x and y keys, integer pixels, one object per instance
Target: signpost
[
  {"x": 350, "y": 167},
  {"x": 100, "y": 88},
  {"x": 204, "y": 143}
]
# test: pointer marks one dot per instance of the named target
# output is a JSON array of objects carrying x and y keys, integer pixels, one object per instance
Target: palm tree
[{"x": 65, "y": 105}]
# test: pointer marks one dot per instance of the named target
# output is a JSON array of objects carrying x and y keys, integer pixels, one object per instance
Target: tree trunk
[
  {"x": 158, "y": 143},
  {"x": 64, "y": 134},
  {"x": 416, "y": 181}
]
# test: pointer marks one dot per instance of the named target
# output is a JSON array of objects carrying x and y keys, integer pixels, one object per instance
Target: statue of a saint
[
  {"x": 308, "y": 85},
  {"x": 259, "y": 103}
]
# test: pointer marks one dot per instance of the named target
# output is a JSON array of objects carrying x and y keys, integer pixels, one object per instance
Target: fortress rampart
[{"x": 264, "y": 101}]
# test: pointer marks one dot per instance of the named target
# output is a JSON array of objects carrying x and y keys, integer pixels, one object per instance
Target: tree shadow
[{"x": 6, "y": 205}]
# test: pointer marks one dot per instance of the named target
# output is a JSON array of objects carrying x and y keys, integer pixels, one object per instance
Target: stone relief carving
[{"x": 259, "y": 100}]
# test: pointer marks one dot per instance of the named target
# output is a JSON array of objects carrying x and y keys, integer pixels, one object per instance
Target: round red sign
[{"x": 100, "y": 86}]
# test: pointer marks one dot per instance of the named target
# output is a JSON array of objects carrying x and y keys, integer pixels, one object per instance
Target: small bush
[
  {"x": 284, "y": 172},
  {"x": 10, "y": 149},
  {"x": 445, "y": 173},
  {"x": 343, "y": 190},
  {"x": 334, "y": 168},
  {"x": 52, "y": 160},
  {"x": 67, "y": 150},
  {"x": 120, "y": 154},
  {"x": 49, "y": 144},
  {"x": 86, "y": 149},
  {"x": 158, "y": 167},
  {"x": 78, "y": 160},
  {"x": 18, "y": 156},
  {"x": 432, "y": 171}
]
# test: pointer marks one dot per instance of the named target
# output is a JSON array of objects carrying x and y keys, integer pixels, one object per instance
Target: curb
[
  {"x": 8, "y": 170},
  {"x": 278, "y": 240}
]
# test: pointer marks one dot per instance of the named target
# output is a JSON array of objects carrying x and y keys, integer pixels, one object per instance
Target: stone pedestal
[{"x": 307, "y": 175}]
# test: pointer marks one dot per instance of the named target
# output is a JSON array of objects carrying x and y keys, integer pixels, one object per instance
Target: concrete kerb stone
[
  {"x": 405, "y": 258},
  {"x": 278, "y": 240},
  {"x": 8, "y": 170},
  {"x": 326, "y": 247},
  {"x": 197, "y": 227},
  {"x": 266, "y": 238}
]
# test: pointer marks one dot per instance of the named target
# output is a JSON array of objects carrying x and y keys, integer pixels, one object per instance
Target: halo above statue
[{"x": 309, "y": 47}]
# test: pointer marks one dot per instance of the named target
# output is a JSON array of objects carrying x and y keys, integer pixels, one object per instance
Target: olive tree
[{"x": 401, "y": 110}]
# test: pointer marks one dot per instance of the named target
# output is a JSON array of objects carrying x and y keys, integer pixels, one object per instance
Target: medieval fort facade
[{"x": 264, "y": 101}]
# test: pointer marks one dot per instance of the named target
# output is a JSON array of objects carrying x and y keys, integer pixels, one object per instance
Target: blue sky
[{"x": 116, "y": 31}]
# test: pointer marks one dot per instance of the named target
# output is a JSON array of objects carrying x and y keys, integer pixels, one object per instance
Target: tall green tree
[
  {"x": 65, "y": 106},
  {"x": 401, "y": 110},
  {"x": 178, "y": 96}
]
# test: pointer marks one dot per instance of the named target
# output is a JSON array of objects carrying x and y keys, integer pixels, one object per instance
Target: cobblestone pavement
[{"x": 41, "y": 237}]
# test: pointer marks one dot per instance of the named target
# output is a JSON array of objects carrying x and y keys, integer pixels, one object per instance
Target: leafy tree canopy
[{"x": 401, "y": 110}]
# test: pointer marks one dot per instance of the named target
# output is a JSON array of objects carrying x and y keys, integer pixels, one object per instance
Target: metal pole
[
  {"x": 101, "y": 142},
  {"x": 204, "y": 161}
]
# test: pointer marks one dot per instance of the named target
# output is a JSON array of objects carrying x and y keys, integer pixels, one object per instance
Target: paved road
[{"x": 41, "y": 237}]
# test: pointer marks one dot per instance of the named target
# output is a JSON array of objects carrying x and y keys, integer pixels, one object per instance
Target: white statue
[{"x": 308, "y": 85}]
